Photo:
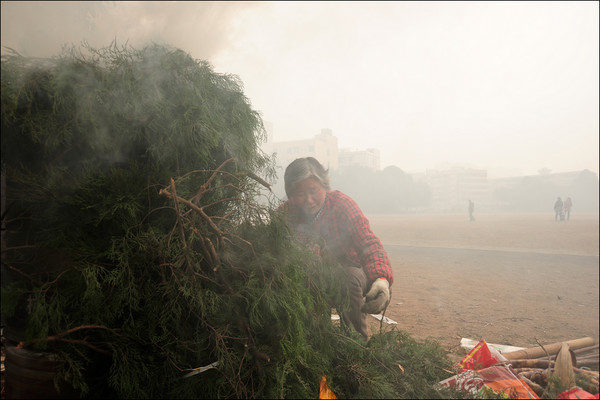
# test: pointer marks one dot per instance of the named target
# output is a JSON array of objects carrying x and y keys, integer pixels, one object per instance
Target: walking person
[
  {"x": 314, "y": 210},
  {"x": 471, "y": 210},
  {"x": 558, "y": 209},
  {"x": 567, "y": 206}
]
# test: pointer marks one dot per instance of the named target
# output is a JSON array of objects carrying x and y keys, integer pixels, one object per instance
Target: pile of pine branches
[{"x": 139, "y": 247}]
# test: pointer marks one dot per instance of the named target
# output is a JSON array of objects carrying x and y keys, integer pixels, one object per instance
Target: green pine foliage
[{"x": 135, "y": 247}]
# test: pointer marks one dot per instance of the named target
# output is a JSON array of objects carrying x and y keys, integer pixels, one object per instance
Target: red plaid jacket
[{"x": 346, "y": 232}]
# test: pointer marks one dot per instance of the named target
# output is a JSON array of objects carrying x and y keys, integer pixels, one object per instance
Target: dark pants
[{"x": 356, "y": 284}]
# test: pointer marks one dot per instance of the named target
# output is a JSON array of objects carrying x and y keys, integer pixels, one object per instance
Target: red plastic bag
[
  {"x": 479, "y": 357},
  {"x": 576, "y": 393}
]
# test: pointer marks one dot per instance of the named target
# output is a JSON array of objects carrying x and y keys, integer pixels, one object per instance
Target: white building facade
[
  {"x": 323, "y": 147},
  {"x": 452, "y": 189},
  {"x": 369, "y": 158}
]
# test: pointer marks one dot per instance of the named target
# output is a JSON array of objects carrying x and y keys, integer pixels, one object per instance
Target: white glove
[{"x": 377, "y": 297}]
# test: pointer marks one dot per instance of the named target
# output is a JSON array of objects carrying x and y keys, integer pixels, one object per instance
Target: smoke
[
  {"x": 425, "y": 83},
  {"x": 202, "y": 30}
]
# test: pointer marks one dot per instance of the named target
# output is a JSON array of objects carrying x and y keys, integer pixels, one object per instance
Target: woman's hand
[{"x": 377, "y": 297}]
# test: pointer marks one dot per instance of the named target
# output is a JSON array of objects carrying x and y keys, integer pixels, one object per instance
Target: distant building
[
  {"x": 560, "y": 178},
  {"x": 323, "y": 147},
  {"x": 365, "y": 158},
  {"x": 452, "y": 189}
]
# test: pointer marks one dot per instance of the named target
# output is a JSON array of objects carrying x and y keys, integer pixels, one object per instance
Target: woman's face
[{"x": 309, "y": 195}]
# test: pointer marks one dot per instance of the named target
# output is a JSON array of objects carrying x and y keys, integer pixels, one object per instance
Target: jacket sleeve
[{"x": 373, "y": 256}]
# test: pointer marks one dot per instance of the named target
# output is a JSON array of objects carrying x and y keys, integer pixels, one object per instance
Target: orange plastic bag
[
  {"x": 499, "y": 379},
  {"x": 502, "y": 379}
]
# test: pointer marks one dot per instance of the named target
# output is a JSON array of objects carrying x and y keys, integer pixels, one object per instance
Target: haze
[{"x": 511, "y": 87}]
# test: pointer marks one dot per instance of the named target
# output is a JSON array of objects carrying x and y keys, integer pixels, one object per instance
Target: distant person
[
  {"x": 471, "y": 210},
  {"x": 330, "y": 217},
  {"x": 558, "y": 210},
  {"x": 567, "y": 206}
]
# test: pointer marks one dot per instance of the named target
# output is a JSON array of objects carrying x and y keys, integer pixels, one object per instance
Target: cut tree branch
[{"x": 59, "y": 337}]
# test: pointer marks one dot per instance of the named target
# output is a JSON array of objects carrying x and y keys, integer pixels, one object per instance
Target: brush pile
[{"x": 142, "y": 249}]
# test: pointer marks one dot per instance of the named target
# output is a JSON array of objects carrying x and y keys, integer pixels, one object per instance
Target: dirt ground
[{"x": 510, "y": 279}]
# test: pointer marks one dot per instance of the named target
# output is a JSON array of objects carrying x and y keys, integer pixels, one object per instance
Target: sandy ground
[{"x": 507, "y": 278}]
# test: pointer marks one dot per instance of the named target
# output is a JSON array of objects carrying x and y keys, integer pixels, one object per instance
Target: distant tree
[
  {"x": 421, "y": 196},
  {"x": 584, "y": 192},
  {"x": 387, "y": 191},
  {"x": 359, "y": 183},
  {"x": 531, "y": 194},
  {"x": 392, "y": 185},
  {"x": 537, "y": 193}
]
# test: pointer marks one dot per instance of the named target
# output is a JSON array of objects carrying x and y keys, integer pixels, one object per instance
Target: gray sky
[{"x": 507, "y": 86}]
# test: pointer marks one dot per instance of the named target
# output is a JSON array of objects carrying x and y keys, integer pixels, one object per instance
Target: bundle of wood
[{"x": 552, "y": 369}]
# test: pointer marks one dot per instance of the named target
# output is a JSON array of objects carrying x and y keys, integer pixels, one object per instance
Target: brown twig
[
  {"x": 538, "y": 389},
  {"x": 249, "y": 345},
  {"x": 186, "y": 252},
  {"x": 595, "y": 374},
  {"x": 383, "y": 317},
  {"x": 18, "y": 271},
  {"x": 241, "y": 240},
  {"x": 213, "y": 253},
  {"x": 87, "y": 344},
  {"x": 205, "y": 251},
  {"x": 26, "y": 246},
  {"x": 586, "y": 349},
  {"x": 226, "y": 199},
  {"x": 59, "y": 337},
  {"x": 199, "y": 210},
  {"x": 543, "y": 348},
  {"x": 258, "y": 354},
  {"x": 259, "y": 180},
  {"x": 202, "y": 189}
]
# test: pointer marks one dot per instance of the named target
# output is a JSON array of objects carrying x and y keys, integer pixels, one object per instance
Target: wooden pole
[{"x": 535, "y": 352}]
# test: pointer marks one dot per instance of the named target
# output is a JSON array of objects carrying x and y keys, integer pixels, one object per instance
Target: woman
[{"x": 314, "y": 209}]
